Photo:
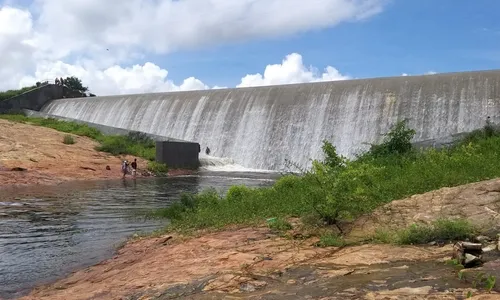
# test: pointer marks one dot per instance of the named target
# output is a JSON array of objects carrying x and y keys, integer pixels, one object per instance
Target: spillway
[{"x": 261, "y": 127}]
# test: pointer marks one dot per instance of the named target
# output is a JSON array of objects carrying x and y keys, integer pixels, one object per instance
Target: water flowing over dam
[{"x": 261, "y": 127}]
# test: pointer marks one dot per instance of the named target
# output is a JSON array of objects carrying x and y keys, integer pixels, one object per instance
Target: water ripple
[{"x": 48, "y": 232}]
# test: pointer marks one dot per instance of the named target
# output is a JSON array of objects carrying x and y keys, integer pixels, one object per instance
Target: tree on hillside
[{"x": 75, "y": 84}]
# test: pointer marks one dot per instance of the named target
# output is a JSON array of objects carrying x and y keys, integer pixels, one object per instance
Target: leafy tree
[{"x": 75, "y": 84}]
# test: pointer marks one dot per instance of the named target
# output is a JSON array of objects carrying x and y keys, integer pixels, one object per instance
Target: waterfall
[{"x": 261, "y": 127}]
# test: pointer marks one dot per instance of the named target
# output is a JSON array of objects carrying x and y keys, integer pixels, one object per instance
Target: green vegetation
[
  {"x": 279, "y": 224},
  {"x": 68, "y": 140},
  {"x": 75, "y": 84},
  {"x": 338, "y": 190},
  {"x": 71, "y": 82},
  {"x": 157, "y": 168},
  {"x": 447, "y": 230},
  {"x": 13, "y": 93},
  {"x": 136, "y": 144},
  {"x": 330, "y": 239},
  {"x": 439, "y": 230}
]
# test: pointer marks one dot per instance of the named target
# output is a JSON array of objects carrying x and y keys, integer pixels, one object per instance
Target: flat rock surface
[
  {"x": 477, "y": 202},
  {"x": 251, "y": 263}
]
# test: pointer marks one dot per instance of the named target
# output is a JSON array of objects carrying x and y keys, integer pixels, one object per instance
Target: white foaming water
[
  {"x": 261, "y": 128},
  {"x": 225, "y": 164}
]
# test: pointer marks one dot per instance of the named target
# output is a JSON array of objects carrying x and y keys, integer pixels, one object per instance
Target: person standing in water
[
  {"x": 124, "y": 168},
  {"x": 134, "y": 167}
]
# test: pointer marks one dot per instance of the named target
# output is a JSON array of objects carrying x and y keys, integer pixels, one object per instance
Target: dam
[{"x": 262, "y": 127}]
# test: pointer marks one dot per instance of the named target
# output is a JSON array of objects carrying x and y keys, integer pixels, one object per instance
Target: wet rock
[
  {"x": 471, "y": 260},
  {"x": 482, "y": 239},
  {"x": 490, "y": 247},
  {"x": 467, "y": 254},
  {"x": 108, "y": 168}
]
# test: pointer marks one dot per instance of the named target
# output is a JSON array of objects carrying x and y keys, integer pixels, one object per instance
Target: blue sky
[
  {"x": 409, "y": 36},
  {"x": 171, "y": 45}
]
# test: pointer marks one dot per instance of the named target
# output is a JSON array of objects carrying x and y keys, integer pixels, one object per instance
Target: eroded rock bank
[
  {"x": 255, "y": 263},
  {"x": 31, "y": 155}
]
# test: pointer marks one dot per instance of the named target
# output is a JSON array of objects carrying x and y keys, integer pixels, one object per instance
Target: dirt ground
[{"x": 48, "y": 160}]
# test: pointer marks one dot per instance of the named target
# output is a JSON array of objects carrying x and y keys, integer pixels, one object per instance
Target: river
[{"x": 46, "y": 232}]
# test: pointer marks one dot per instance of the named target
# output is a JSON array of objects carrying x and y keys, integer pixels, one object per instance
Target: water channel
[{"x": 48, "y": 232}]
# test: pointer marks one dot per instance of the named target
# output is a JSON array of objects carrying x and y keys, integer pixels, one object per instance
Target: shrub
[
  {"x": 68, "y": 140},
  {"x": 443, "y": 229},
  {"x": 396, "y": 141},
  {"x": 279, "y": 224},
  {"x": 157, "y": 168},
  {"x": 331, "y": 240}
]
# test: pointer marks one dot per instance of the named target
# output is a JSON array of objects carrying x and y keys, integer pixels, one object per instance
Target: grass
[
  {"x": 279, "y": 224},
  {"x": 68, "y": 139},
  {"x": 12, "y": 93},
  {"x": 331, "y": 240},
  {"x": 338, "y": 190},
  {"x": 135, "y": 144},
  {"x": 439, "y": 230}
]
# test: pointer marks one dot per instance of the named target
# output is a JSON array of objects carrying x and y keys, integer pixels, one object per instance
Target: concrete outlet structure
[{"x": 178, "y": 155}]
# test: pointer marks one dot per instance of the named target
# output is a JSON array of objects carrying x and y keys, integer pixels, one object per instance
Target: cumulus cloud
[
  {"x": 102, "y": 41},
  {"x": 168, "y": 25},
  {"x": 115, "y": 79},
  {"x": 291, "y": 70}
]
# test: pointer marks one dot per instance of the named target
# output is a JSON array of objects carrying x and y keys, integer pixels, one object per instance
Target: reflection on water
[{"x": 47, "y": 232}]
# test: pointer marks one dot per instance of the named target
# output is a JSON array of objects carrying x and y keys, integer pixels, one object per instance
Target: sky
[{"x": 141, "y": 46}]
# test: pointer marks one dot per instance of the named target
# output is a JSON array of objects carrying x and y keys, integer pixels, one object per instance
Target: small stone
[
  {"x": 246, "y": 287},
  {"x": 258, "y": 283},
  {"x": 433, "y": 243},
  {"x": 291, "y": 281},
  {"x": 471, "y": 260},
  {"x": 482, "y": 239},
  {"x": 489, "y": 248}
]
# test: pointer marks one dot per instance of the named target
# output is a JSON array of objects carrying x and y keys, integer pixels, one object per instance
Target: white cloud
[
  {"x": 95, "y": 40},
  {"x": 291, "y": 70},
  {"x": 167, "y": 25},
  {"x": 427, "y": 73}
]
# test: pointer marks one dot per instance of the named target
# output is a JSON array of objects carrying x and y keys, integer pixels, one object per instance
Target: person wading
[
  {"x": 134, "y": 167},
  {"x": 124, "y": 168}
]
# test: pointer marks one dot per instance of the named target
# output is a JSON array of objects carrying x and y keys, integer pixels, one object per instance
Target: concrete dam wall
[{"x": 262, "y": 127}]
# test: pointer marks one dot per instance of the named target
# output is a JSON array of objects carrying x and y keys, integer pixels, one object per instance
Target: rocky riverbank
[
  {"x": 257, "y": 263},
  {"x": 31, "y": 155}
]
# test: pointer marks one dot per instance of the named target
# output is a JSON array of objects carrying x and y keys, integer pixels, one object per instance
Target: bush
[
  {"x": 279, "y": 224},
  {"x": 444, "y": 230},
  {"x": 330, "y": 240},
  {"x": 396, "y": 141},
  {"x": 68, "y": 140},
  {"x": 157, "y": 168}
]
